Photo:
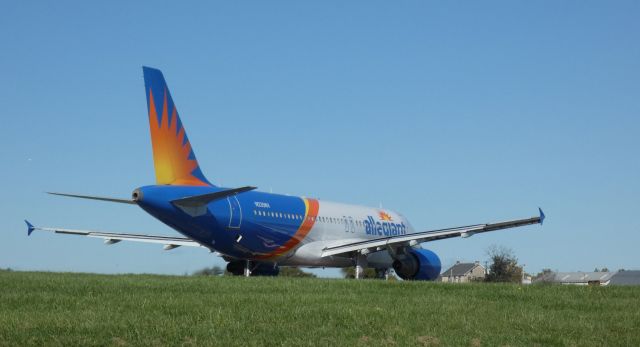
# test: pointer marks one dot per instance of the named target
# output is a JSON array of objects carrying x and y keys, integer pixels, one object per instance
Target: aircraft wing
[
  {"x": 111, "y": 238},
  {"x": 374, "y": 245}
]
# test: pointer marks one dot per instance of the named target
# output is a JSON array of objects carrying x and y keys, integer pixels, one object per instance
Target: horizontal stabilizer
[
  {"x": 100, "y": 198},
  {"x": 196, "y": 205},
  {"x": 200, "y": 200}
]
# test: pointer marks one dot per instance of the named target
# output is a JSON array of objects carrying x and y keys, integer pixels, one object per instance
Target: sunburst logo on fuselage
[
  {"x": 385, "y": 216},
  {"x": 171, "y": 149}
]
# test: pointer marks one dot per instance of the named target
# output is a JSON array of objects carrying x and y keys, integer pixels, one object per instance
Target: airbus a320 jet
[{"x": 257, "y": 232}]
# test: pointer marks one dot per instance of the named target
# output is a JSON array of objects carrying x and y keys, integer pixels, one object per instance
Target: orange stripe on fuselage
[{"x": 311, "y": 213}]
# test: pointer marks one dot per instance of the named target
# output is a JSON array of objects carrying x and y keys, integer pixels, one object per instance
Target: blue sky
[{"x": 452, "y": 113}]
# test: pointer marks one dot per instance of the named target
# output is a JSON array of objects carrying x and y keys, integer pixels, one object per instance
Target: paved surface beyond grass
[{"x": 84, "y": 309}]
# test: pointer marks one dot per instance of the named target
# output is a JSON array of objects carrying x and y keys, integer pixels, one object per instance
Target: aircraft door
[{"x": 235, "y": 212}]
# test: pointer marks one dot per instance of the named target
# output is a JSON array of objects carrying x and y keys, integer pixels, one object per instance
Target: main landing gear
[
  {"x": 361, "y": 264},
  {"x": 249, "y": 268}
]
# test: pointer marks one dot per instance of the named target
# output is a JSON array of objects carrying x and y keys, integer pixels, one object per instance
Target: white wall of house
[{"x": 475, "y": 273}]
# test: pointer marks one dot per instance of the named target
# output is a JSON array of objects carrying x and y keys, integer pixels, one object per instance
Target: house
[
  {"x": 577, "y": 278},
  {"x": 464, "y": 272},
  {"x": 625, "y": 277}
]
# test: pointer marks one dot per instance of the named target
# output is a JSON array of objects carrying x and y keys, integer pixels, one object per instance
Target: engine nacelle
[{"x": 417, "y": 264}]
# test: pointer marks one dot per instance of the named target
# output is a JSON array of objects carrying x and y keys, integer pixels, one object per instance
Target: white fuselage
[{"x": 338, "y": 224}]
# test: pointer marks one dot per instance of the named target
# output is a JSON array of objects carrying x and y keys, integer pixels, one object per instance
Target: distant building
[
  {"x": 464, "y": 272},
  {"x": 628, "y": 278},
  {"x": 577, "y": 278},
  {"x": 619, "y": 278}
]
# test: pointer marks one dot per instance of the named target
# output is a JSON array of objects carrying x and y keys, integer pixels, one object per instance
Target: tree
[
  {"x": 291, "y": 271},
  {"x": 546, "y": 276},
  {"x": 545, "y": 272},
  {"x": 210, "y": 271},
  {"x": 504, "y": 266}
]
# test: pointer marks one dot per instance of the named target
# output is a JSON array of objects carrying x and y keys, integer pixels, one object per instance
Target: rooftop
[
  {"x": 460, "y": 269},
  {"x": 626, "y": 278},
  {"x": 577, "y": 277}
]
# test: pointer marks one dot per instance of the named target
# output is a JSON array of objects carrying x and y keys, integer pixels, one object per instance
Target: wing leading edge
[{"x": 379, "y": 244}]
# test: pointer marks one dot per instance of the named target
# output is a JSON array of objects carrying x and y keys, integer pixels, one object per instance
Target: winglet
[
  {"x": 30, "y": 227},
  {"x": 542, "y": 216}
]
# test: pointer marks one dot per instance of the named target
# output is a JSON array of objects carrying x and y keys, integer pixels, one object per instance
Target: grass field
[{"x": 84, "y": 309}]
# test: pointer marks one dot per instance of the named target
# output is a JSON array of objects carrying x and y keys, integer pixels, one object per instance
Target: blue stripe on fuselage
[{"x": 261, "y": 234}]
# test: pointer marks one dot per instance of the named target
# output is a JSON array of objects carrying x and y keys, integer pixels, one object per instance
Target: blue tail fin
[{"x": 174, "y": 160}]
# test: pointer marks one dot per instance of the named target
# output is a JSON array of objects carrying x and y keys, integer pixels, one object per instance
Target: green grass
[{"x": 84, "y": 309}]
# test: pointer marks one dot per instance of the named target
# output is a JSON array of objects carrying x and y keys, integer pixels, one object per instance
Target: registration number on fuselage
[{"x": 262, "y": 204}]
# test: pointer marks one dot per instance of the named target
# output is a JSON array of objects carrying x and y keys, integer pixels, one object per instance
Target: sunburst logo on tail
[
  {"x": 172, "y": 154},
  {"x": 385, "y": 216}
]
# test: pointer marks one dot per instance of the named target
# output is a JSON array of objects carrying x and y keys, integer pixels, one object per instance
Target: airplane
[{"x": 258, "y": 232}]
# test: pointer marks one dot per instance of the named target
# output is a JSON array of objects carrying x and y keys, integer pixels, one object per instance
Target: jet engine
[{"x": 417, "y": 264}]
